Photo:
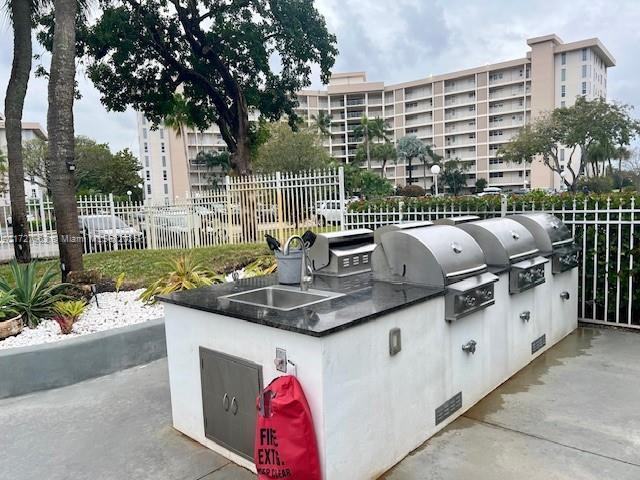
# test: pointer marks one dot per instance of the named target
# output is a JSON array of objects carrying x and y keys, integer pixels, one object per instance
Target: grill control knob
[{"x": 470, "y": 301}]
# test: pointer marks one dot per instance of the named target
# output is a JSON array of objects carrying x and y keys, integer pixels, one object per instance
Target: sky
[{"x": 402, "y": 40}]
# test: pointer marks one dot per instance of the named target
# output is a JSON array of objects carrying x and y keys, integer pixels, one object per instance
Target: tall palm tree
[
  {"x": 384, "y": 152},
  {"x": 322, "y": 122},
  {"x": 368, "y": 130},
  {"x": 61, "y": 135},
  {"x": 22, "y": 14},
  {"x": 179, "y": 120}
]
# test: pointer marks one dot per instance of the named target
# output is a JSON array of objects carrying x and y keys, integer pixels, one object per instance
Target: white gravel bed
[{"x": 115, "y": 310}]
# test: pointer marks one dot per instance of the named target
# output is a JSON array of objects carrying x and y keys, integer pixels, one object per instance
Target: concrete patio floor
[{"x": 571, "y": 414}]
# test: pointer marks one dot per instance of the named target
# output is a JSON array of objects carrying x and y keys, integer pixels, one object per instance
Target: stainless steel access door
[{"x": 230, "y": 386}]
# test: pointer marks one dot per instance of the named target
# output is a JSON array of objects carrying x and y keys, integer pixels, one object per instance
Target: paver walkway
[{"x": 572, "y": 414}]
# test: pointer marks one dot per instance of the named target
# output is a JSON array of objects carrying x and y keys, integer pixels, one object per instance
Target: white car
[{"x": 328, "y": 212}]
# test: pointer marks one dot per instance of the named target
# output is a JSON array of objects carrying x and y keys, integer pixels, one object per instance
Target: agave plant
[
  {"x": 7, "y": 305},
  {"x": 34, "y": 296},
  {"x": 183, "y": 274}
]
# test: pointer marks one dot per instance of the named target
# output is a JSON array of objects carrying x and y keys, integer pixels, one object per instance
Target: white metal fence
[
  {"x": 606, "y": 232},
  {"x": 241, "y": 210}
]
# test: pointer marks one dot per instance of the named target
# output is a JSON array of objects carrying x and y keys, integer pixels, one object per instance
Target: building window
[
  {"x": 584, "y": 71},
  {"x": 146, "y": 147},
  {"x": 148, "y": 189},
  {"x": 162, "y": 149},
  {"x": 563, "y": 91},
  {"x": 562, "y": 154},
  {"x": 145, "y": 133},
  {"x": 161, "y": 133},
  {"x": 148, "y": 175},
  {"x": 496, "y": 174},
  {"x": 584, "y": 88},
  {"x": 34, "y": 193},
  {"x": 584, "y": 54},
  {"x": 563, "y": 74},
  {"x": 563, "y": 58},
  {"x": 472, "y": 108},
  {"x": 164, "y": 175},
  {"x": 146, "y": 161},
  {"x": 166, "y": 188},
  {"x": 164, "y": 161},
  {"x": 563, "y": 104}
]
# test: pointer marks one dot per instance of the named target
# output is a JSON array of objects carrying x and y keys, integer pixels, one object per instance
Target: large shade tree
[
  {"x": 578, "y": 129},
  {"x": 227, "y": 59}
]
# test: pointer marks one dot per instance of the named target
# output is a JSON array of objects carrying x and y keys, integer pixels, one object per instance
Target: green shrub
[
  {"x": 182, "y": 274},
  {"x": 412, "y": 191},
  {"x": 34, "y": 297}
]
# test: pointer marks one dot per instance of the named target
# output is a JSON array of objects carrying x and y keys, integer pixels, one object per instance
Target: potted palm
[{"x": 10, "y": 320}]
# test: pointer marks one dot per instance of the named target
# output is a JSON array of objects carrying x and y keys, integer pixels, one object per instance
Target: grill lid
[
  {"x": 400, "y": 226},
  {"x": 457, "y": 220},
  {"x": 504, "y": 241},
  {"x": 547, "y": 230},
  {"x": 438, "y": 255}
]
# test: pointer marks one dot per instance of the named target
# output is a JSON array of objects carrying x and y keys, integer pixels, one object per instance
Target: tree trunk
[
  {"x": 366, "y": 141},
  {"x": 14, "y": 104},
  {"x": 61, "y": 136}
]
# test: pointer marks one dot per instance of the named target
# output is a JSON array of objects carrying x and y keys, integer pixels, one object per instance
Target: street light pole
[{"x": 435, "y": 170}]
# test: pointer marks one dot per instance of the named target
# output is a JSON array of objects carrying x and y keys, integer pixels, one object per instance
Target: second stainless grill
[
  {"x": 439, "y": 256},
  {"x": 508, "y": 244}
]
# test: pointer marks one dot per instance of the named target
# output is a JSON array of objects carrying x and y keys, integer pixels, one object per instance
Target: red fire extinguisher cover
[{"x": 285, "y": 443}]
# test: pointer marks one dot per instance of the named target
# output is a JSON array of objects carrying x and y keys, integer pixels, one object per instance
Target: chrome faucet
[{"x": 306, "y": 274}]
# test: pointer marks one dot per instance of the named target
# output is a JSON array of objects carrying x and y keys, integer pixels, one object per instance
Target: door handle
[
  {"x": 234, "y": 406},
  {"x": 225, "y": 402}
]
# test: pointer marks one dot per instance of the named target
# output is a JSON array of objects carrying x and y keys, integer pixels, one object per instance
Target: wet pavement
[{"x": 571, "y": 414}]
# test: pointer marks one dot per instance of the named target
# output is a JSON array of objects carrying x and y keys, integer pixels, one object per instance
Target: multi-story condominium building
[
  {"x": 33, "y": 187},
  {"x": 465, "y": 115}
]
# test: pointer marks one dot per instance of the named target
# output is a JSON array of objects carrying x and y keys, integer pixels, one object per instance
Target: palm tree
[
  {"x": 368, "y": 130},
  {"x": 179, "y": 120},
  {"x": 411, "y": 148},
  {"x": 384, "y": 152},
  {"x": 322, "y": 122},
  {"x": 22, "y": 14},
  {"x": 61, "y": 135}
]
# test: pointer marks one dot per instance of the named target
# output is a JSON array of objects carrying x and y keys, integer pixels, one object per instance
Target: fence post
[
  {"x": 112, "y": 207},
  {"x": 227, "y": 189},
  {"x": 343, "y": 205},
  {"x": 279, "y": 204},
  {"x": 503, "y": 205}
]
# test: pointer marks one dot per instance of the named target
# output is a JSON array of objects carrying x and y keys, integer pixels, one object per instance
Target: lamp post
[
  {"x": 563, "y": 175},
  {"x": 129, "y": 195},
  {"x": 435, "y": 170}
]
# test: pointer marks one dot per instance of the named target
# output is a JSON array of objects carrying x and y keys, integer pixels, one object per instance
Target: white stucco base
[{"x": 371, "y": 409}]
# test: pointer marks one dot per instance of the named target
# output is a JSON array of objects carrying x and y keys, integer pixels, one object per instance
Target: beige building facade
[
  {"x": 33, "y": 187},
  {"x": 465, "y": 115}
]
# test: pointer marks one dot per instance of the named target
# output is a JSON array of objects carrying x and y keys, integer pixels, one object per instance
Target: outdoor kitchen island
[{"x": 384, "y": 364}]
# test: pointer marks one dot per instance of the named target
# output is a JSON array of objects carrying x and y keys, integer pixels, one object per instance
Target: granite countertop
[{"x": 363, "y": 299}]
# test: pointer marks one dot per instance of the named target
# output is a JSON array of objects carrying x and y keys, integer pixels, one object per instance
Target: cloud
[{"x": 402, "y": 40}]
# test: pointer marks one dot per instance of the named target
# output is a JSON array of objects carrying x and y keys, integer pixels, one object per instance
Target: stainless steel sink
[{"x": 281, "y": 298}]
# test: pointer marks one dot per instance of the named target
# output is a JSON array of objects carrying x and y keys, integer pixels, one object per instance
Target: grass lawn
[{"x": 143, "y": 267}]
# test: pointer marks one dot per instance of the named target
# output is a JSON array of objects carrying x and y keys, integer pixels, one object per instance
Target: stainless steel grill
[
  {"x": 400, "y": 226},
  {"x": 342, "y": 253},
  {"x": 439, "y": 256},
  {"x": 507, "y": 243},
  {"x": 457, "y": 220},
  {"x": 553, "y": 238}
]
